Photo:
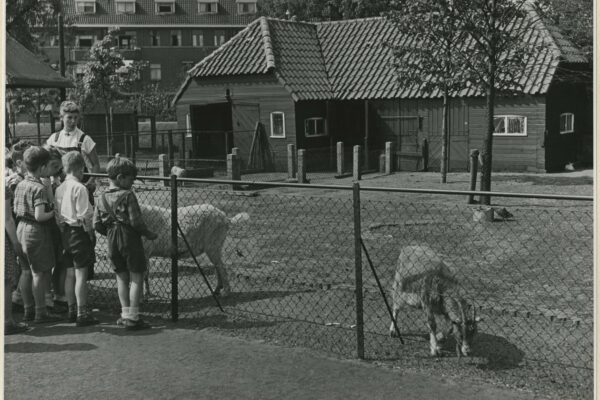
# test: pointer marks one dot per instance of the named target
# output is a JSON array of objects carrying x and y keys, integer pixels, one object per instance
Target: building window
[
  {"x": 79, "y": 71},
  {"x": 219, "y": 38},
  {"x": 567, "y": 123},
  {"x": 164, "y": 7},
  {"x": 155, "y": 73},
  {"x": 246, "y": 7},
  {"x": 154, "y": 38},
  {"x": 125, "y": 7},
  {"x": 176, "y": 38},
  {"x": 208, "y": 7},
  {"x": 85, "y": 41},
  {"x": 85, "y": 7},
  {"x": 510, "y": 125},
  {"x": 198, "y": 38},
  {"x": 126, "y": 41},
  {"x": 278, "y": 124},
  {"x": 314, "y": 127}
]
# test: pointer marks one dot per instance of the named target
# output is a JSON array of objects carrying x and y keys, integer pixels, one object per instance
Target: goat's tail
[{"x": 241, "y": 217}]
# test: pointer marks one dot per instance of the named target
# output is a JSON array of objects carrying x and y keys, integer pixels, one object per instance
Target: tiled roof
[
  {"x": 24, "y": 69},
  {"x": 186, "y": 13},
  {"x": 352, "y": 59}
]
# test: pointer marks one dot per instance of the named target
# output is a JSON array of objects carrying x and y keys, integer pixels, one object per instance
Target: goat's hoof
[{"x": 393, "y": 334}]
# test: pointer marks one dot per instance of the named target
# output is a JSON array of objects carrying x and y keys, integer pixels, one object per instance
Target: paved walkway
[{"x": 168, "y": 362}]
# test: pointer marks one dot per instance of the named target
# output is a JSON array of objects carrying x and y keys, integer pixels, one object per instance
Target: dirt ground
[{"x": 173, "y": 361}]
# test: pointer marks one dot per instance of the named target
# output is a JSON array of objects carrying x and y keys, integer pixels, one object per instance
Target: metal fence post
[
  {"x": 360, "y": 334},
  {"x": 174, "y": 268},
  {"x": 473, "y": 164}
]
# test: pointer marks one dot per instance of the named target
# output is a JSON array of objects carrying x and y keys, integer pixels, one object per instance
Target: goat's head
[{"x": 465, "y": 329}]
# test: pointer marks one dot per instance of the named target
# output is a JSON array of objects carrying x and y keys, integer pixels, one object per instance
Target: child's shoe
[
  {"x": 15, "y": 328},
  {"x": 132, "y": 325},
  {"x": 86, "y": 320}
]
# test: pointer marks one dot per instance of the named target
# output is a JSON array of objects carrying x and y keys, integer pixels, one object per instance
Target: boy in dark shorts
[
  {"x": 34, "y": 214},
  {"x": 74, "y": 215},
  {"x": 118, "y": 216}
]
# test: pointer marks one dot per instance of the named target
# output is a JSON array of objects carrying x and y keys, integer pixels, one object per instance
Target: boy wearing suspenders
[{"x": 71, "y": 138}]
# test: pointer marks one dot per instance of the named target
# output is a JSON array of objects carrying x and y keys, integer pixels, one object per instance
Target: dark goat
[{"x": 424, "y": 281}]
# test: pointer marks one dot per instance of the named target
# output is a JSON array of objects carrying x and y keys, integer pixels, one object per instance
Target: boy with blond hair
[
  {"x": 74, "y": 215},
  {"x": 118, "y": 216},
  {"x": 34, "y": 214}
]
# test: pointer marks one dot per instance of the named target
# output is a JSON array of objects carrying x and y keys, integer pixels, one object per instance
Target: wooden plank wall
[{"x": 265, "y": 91}]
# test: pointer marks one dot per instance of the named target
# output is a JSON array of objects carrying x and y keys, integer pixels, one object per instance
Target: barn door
[
  {"x": 211, "y": 127},
  {"x": 244, "y": 117}
]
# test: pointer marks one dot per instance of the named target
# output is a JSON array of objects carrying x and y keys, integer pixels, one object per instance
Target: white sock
[
  {"x": 134, "y": 313},
  {"x": 124, "y": 312}
]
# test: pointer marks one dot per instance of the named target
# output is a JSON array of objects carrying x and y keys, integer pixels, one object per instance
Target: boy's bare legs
[
  {"x": 70, "y": 293},
  {"x": 135, "y": 293},
  {"x": 39, "y": 285},
  {"x": 10, "y": 326},
  {"x": 81, "y": 289},
  {"x": 26, "y": 286},
  {"x": 123, "y": 290}
]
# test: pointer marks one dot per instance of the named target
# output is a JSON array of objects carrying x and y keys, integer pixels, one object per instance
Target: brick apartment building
[{"x": 172, "y": 35}]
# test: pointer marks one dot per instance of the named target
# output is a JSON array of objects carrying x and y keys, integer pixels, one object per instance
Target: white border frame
[
  {"x": 283, "y": 118},
  {"x": 506, "y": 124},
  {"x": 572, "y": 123},
  {"x": 316, "y": 119}
]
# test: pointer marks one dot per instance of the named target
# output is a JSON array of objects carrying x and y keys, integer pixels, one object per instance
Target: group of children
[{"x": 50, "y": 231}]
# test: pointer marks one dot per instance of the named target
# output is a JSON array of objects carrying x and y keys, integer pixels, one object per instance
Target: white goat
[
  {"x": 205, "y": 228},
  {"x": 424, "y": 281}
]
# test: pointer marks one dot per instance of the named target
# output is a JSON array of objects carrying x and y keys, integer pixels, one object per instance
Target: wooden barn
[{"x": 314, "y": 84}]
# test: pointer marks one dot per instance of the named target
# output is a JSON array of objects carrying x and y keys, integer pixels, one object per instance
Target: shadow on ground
[{"x": 31, "y": 347}]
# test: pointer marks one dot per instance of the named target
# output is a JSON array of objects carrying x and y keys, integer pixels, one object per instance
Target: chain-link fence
[{"x": 297, "y": 272}]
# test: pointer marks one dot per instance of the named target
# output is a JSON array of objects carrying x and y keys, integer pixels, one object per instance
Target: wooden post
[
  {"x": 170, "y": 149},
  {"x": 163, "y": 166},
  {"x": 182, "y": 149},
  {"x": 473, "y": 165},
  {"x": 358, "y": 281},
  {"x": 233, "y": 170},
  {"x": 291, "y": 161},
  {"x": 132, "y": 146},
  {"x": 366, "y": 135},
  {"x": 356, "y": 163},
  {"x": 388, "y": 158},
  {"x": 340, "y": 158},
  {"x": 425, "y": 154},
  {"x": 382, "y": 163},
  {"x": 51, "y": 118},
  {"x": 302, "y": 166},
  {"x": 125, "y": 138}
]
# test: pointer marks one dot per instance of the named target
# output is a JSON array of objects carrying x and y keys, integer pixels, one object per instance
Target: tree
[
  {"x": 498, "y": 56},
  {"x": 427, "y": 56},
  {"x": 320, "y": 10},
  {"x": 106, "y": 79},
  {"x": 22, "y": 16}
]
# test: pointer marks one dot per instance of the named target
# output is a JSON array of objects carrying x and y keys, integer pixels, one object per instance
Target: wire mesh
[{"x": 289, "y": 261}]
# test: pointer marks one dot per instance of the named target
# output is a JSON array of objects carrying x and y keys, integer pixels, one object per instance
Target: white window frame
[
  {"x": 314, "y": 121},
  {"x": 198, "y": 38},
  {"x": 125, "y": 3},
  {"x": 220, "y": 38},
  {"x": 252, "y": 8},
  {"x": 90, "y": 37},
  {"x": 569, "y": 129},
  {"x": 282, "y": 136},
  {"x": 158, "y": 4},
  {"x": 154, "y": 34},
  {"x": 506, "y": 124},
  {"x": 172, "y": 33},
  {"x": 157, "y": 70},
  {"x": 80, "y": 6},
  {"x": 210, "y": 7}
]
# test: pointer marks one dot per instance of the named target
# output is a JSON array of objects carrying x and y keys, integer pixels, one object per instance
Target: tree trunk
[
  {"x": 444, "y": 157},
  {"x": 486, "y": 154}
]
